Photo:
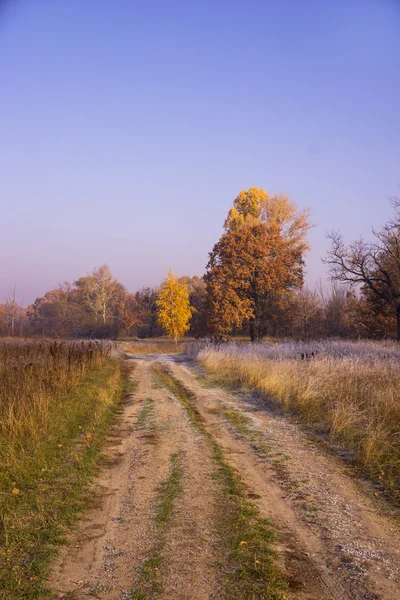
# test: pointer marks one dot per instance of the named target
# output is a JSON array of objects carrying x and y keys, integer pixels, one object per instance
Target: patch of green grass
[
  {"x": 145, "y": 418},
  {"x": 169, "y": 490},
  {"x": 204, "y": 380},
  {"x": 244, "y": 427},
  {"x": 49, "y": 488},
  {"x": 130, "y": 381},
  {"x": 248, "y": 562},
  {"x": 148, "y": 584},
  {"x": 238, "y": 420}
]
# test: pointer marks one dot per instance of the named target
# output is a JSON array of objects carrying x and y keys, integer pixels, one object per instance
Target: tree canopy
[
  {"x": 260, "y": 253},
  {"x": 174, "y": 310},
  {"x": 374, "y": 265}
]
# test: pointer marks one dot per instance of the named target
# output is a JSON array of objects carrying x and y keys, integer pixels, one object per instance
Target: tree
[
  {"x": 259, "y": 255},
  {"x": 374, "y": 265},
  {"x": 95, "y": 305},
  {"x": 174, "y": 310},
  {"x": 197, "y": 298},
  {"x": 103, "y": 298},
  {"x": 146, "y": 301},
  {"x": 234, "y": 277},
  {"x": 11, "y": 309},
  {"x": 375, "y": 317},
  {"x": 129, "y": 313},
  {"x": 307, "y": 314},
  {"x": 53, "y": 313}
]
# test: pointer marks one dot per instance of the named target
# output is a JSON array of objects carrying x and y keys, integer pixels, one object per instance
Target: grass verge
[
  {"x": 247, "y": 559},
  {"x": 148, "y": 584},
  {"x": 45, "y": 487},
  {"x": 352, "y": 400}
]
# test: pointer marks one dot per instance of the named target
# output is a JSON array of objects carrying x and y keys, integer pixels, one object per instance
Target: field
[
  {"x": 152, "y": 346},
  {"x": 227, "y": 471},
  {"x": 55, "y": 402},
  {"x": 346, "y": 390}
]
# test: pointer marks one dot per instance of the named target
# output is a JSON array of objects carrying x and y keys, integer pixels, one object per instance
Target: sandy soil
[{"x": 335, "y": 541}]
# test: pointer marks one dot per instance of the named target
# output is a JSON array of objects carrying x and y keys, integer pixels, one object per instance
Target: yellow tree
[{"x": 173, "y": 306}]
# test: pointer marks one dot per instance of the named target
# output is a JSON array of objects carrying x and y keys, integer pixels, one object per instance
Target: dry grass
[
  {"x": 348, "y": 390},
  {"x": 152, "y": 347},
  {"x": 56, "y": 399},
  {"x": 34, "y": 376}
]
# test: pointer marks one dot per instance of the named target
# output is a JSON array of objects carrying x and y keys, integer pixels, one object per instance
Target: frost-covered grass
[
  {"x": 335, "y": 348},
  {"x": 347, "y": 390}
]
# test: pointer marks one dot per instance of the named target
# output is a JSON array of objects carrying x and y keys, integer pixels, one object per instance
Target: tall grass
[
  {"x": 347, "y": 390},
  {"x": 55, "y": 402},
  {"x": 34, "y": 376}
]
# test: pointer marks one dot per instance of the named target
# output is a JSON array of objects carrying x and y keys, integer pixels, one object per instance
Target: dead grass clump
[{"x": 354, "y": 398}]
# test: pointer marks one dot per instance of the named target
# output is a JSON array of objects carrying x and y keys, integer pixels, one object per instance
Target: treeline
[
  {"x": 94, "y": 306},
  {"x": 302, "y": 314},
  {"x": 253, "y": 285},
  {"x": 336, "y": 311},
  {"x": 255, "y": 276}
]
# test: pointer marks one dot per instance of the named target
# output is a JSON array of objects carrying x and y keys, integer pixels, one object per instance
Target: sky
[{"x": 128, "y": 128}]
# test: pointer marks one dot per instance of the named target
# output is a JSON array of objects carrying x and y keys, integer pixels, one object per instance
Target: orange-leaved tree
[
  {"x": 173, "y": 306},
  {"x": 261, "y": 253}
]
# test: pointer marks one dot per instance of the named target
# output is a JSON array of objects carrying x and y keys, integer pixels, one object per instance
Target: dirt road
[{"x": 153, "y": 527}]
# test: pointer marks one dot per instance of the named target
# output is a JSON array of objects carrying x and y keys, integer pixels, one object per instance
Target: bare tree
[
  {"x": 374, "y": 265},
  {"x": 12, "y": 308},
  {"x": 99, "y": 291}
]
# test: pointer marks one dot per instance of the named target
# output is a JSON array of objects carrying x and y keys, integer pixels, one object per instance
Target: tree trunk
[
  {"x": 252, "y": 330},
  {"x": 104, "y": 312},
  {"x": 398, "y": 322}
]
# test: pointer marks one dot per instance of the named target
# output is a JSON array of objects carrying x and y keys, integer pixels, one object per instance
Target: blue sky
[{"x": 128, "y": 128}]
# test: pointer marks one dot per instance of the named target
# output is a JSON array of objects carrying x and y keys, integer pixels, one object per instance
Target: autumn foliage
[
  {"x": 254, "y": 284},
  {"x": 259, "y": 257},
  {"x": 174, "y": 310}
]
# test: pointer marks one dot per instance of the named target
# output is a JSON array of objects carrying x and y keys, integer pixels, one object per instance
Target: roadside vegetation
[
  {"x": 56, "y": 400},
  {"x": 348, "y": 391}
]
